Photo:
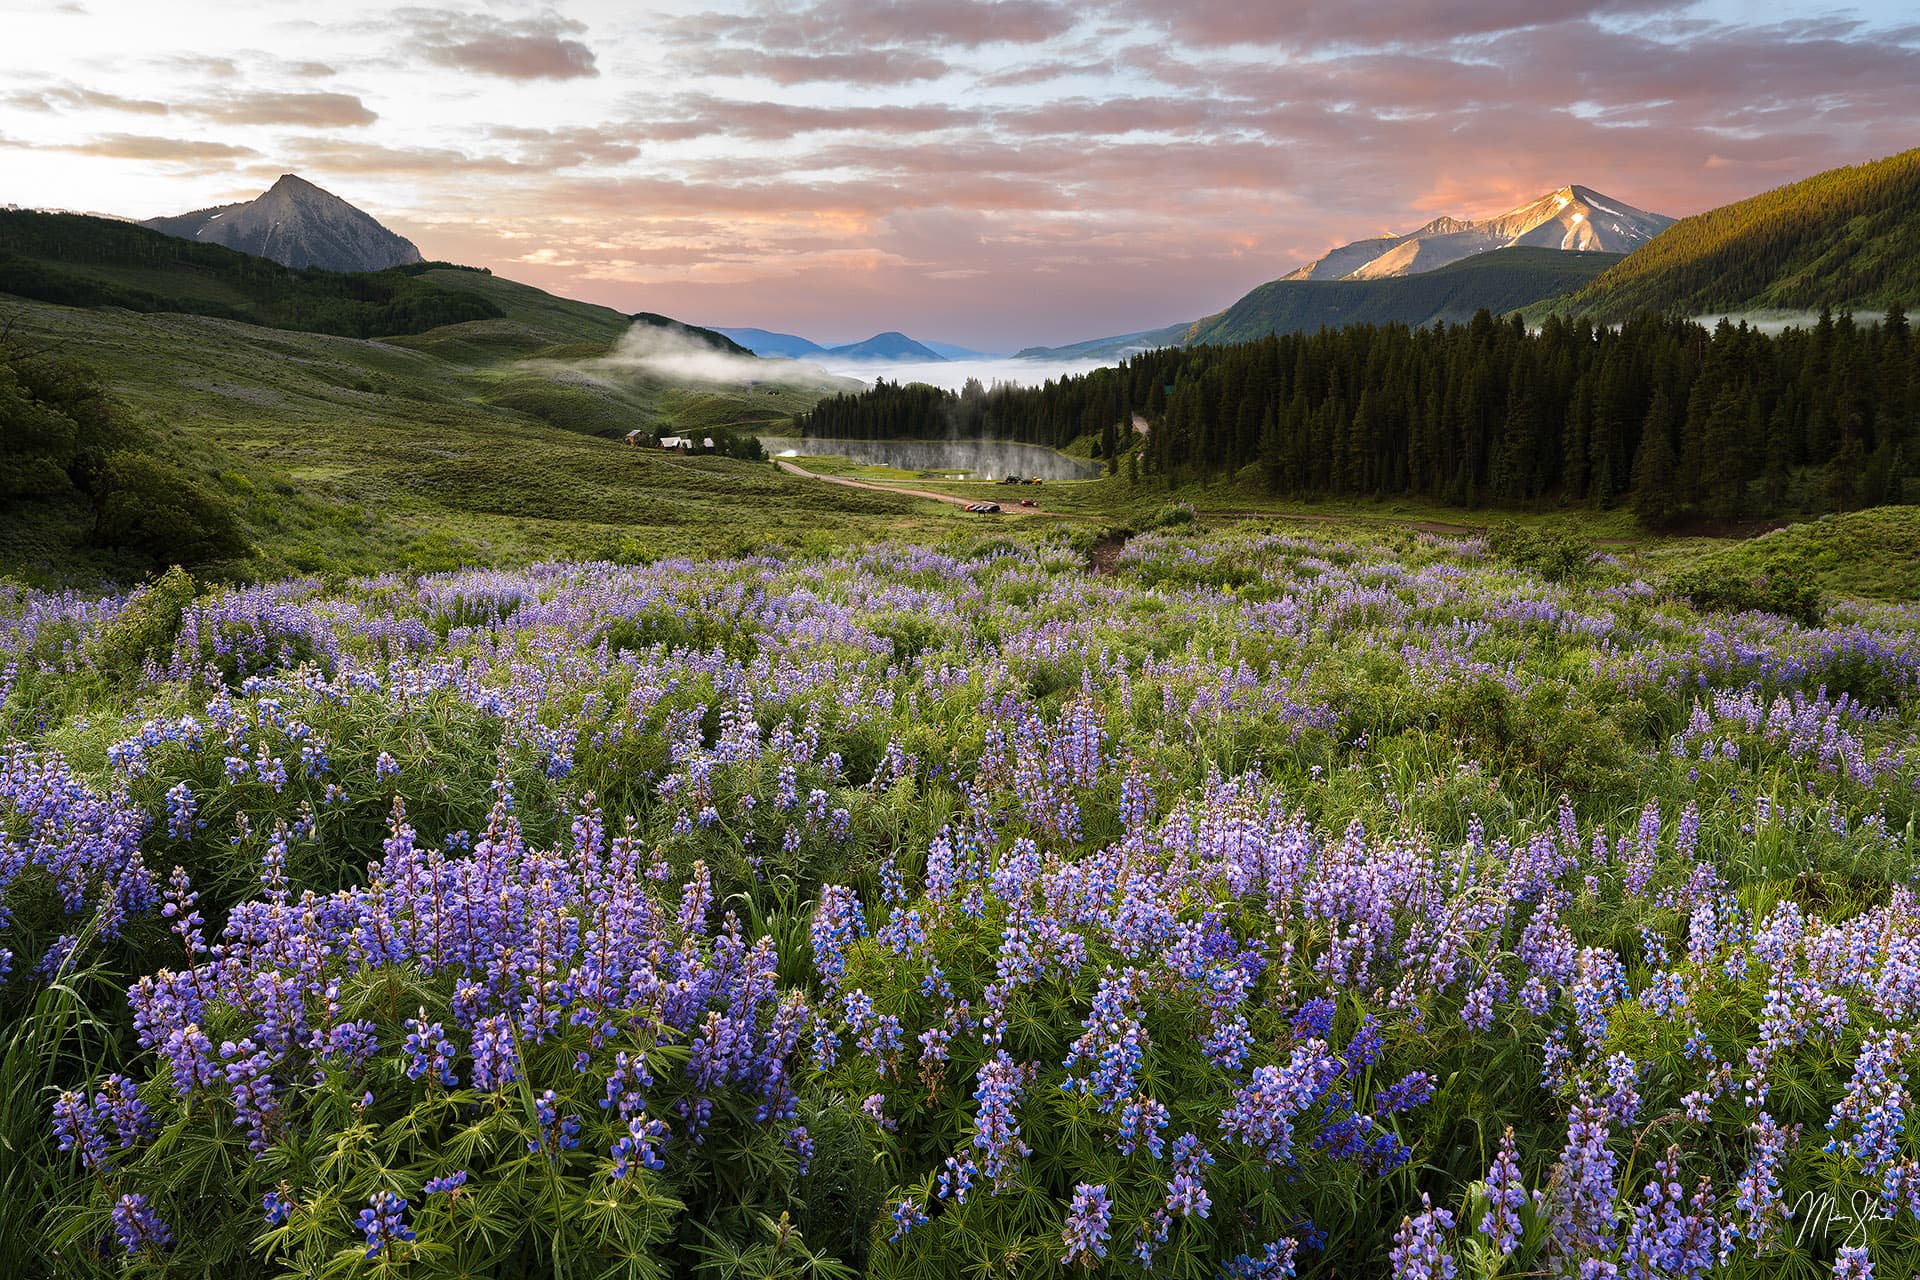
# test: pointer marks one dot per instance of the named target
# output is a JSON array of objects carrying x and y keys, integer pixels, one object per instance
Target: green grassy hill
[
  {"x": 349, "y": 433},
  {"x": 350, "y": 455},
  {"x": 1873, "y": 554},
  {"x": 1501, "y": 281},
  {"x": 98, "y": 262},
  {"x": 1841, "y": 239}
]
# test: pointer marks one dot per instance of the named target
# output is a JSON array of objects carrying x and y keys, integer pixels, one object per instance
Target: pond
[{"x": 962, "y": 459}]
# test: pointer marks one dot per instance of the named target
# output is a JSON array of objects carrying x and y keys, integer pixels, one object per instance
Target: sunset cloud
[
  {"x": 306, "y": 110},
  {"x": 516, "y": 49},
  {"x": 838, "y": 167},
  {"x": 198, "y": 155}
]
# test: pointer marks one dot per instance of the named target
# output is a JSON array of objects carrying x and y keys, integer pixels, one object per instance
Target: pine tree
[{"x": 1656, "y": 494}]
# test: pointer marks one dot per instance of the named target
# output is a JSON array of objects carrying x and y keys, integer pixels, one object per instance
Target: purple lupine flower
[
  {"x": 446, "y": 1184},
  {"x": 429, "y": 1052},
  {"x": 956, "y": 1179},
  {"x": 557, "y": 1132},
  {"x": 1417, "y": 1250},
  {"x": 1412, "y": 1090},
  {"x": 496, "y": 1060},
  {"x": 906, "y": 1216},
  {"x": 1759, "y": 1187},
  {"x": 1664, "y": 1239},
  {"x": 1853, "y": 1264},
  {"x": 384, "y": 1223},
  {"x": 76, "y": 1126},
  {"x": 641, "y": 1142},
  {"x": 800, "y": 1142},
  {"x": 1583, "y": 1191},
  {"x": 1186, "y": 1192},
  {"x": 1086, "y": 1231},
  {"x": 138, "y": 1227},
  {"x": 1506, "y": 1195},
  {"x": 996, "y": 1125}
]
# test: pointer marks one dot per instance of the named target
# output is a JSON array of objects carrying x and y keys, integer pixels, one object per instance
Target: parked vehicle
[
  {"x": 984, "y": 508},
  {"x": 1028, "y": 502}
]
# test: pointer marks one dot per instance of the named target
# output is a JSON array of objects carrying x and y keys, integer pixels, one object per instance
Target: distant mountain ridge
[
  {"x": 1536, "y": 251},
  {"x": 296, "y": 224},
  {"x": 1501, "y": 281},
  {"x": 1118, "y": 347},
  {"x": 1572, "y": 219},
  {"x": 765, "y": 342},
  {"x": 1842, "y": 239},
  {"x": 889, "y": 346}
]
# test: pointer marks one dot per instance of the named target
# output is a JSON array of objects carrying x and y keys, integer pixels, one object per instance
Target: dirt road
[{"x": 1007, "y": 508}]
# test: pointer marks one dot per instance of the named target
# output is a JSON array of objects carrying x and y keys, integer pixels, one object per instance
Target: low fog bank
[
  {"x": 1775, "y": 322},
  {"x": 654, "y": 352},
  {"x": 953, "y": 374}
]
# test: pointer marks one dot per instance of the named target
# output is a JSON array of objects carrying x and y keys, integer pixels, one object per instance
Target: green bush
[
  {"x": 1554, "y": 554},
  {"x": 159, "y": 510},
  {"x": 148, "y": 626},
  {"x": 1785, "y": 587}
]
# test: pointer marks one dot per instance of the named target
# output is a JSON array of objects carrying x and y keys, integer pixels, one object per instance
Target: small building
[{"x": 682, "y": 443}]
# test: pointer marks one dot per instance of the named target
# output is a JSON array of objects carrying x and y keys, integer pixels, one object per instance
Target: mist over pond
[{"x": 980, "y": 459}]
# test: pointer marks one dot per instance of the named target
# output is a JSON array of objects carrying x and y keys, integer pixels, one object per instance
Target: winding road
[{"x": 1008, "y": 508}]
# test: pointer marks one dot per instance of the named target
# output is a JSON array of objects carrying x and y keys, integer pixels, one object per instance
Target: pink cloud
[{"x": 524, "y": 49}]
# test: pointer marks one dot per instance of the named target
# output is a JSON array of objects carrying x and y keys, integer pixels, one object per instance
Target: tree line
[{"x": 1663, "y": 413}]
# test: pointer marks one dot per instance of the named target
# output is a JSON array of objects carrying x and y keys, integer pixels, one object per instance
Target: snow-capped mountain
[
  {"x": 1574, "y": 219},
  {"x": 298, "y": 225}
]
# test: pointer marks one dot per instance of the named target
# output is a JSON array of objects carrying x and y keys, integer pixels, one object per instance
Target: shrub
[
  {"x": 1785, "y": 587},
  {"x": 1554, "y": 554},
  {"x": 155, "y": 508}
]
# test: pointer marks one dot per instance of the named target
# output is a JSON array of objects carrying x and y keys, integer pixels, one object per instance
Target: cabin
[
  {"x": 638, "y": 437},
  {"x": 682, "y": 443}
]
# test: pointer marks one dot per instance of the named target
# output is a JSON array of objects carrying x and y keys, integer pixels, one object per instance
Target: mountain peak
[
  {"x": 891, "y": 345},
  {"x": 297, "y": 224},
  {"x": 1572, "y": 218}
]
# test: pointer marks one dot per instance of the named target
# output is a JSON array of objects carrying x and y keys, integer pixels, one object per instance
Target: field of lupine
[{"x": 1269, "y": 904}]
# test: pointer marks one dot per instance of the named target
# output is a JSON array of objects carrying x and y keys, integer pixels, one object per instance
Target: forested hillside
[
  {"x": 1501, "y": 281},
  {"x": 79, "y": 261},
  {"x": 1843, "y": 238},
  {"x": 1678, "y": 419}
]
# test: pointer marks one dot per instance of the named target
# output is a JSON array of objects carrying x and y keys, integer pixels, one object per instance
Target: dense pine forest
[{"x": 1679, "y": 420}]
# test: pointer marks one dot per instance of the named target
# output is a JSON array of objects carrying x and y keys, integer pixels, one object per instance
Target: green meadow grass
[{"x": 474, "y": 443}]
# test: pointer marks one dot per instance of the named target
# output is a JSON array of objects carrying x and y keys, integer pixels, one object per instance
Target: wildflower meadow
[{"x": 1262, "y": 903}]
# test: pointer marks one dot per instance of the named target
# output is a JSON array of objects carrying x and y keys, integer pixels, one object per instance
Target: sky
[{"x": 993, "y": 173}]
